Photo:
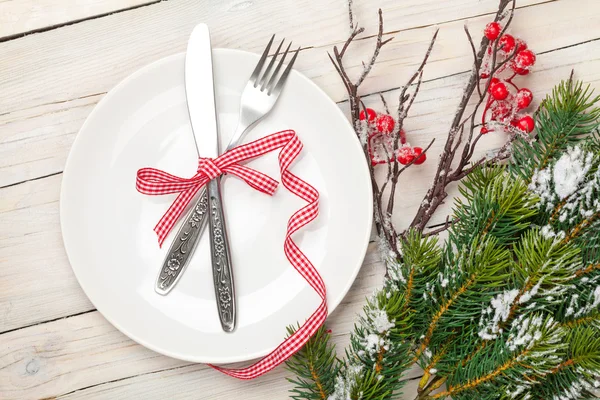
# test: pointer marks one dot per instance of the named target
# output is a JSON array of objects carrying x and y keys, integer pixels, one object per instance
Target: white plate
[{"x": 107, "y": 225}]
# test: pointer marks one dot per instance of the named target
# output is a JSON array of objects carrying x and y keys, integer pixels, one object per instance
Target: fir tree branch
[
  {"x": 576, "y": 231},
  {"x": 436, "y": 318},
  {"x": 452, "y": 390},
  {"x": 316, "y": 367},
  {"x": 590, "y": 268}
]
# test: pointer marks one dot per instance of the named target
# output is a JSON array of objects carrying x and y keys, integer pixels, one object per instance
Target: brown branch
[
  {"x": 350, "y": 16},
  {"x": 379, "y": 44},
  {"x": 385, "y": 105},
  {"x": 437, "y": 191},
  {"x": 443, "y": 228},
  {"x": 475, "y": 60}
]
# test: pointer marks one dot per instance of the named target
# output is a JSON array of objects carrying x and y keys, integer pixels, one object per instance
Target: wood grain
[
  {"x": 19, "y": 17},
  {"x": 55, "y": 344},
  {"x": 74, "y": 65},
  {"x": 30, "y": 210},
  {"x": 62, "y": 356}
]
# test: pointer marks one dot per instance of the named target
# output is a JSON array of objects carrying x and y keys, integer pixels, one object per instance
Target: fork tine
[
  {"x": 261, "y": 62},
  {"x": 274, "y": 76},
  {"x": 285, "y": 74},
  {"x": 263, "y": 80}
]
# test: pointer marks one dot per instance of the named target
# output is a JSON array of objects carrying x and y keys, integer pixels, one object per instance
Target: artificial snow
[
  {"x": 500, "y": 306},
  {"x": 380, "y": 321}
]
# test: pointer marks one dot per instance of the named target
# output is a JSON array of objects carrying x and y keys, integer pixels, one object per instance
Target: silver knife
[{"x": 199, "y": 86}]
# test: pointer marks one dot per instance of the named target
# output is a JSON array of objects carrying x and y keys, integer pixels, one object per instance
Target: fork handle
[
  {"x": 183, "y": 246},
  {"x": 221, "y": 258}
]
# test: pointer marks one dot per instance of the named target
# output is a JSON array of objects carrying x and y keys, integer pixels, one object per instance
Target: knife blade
[{"x": 199, "y": 86}]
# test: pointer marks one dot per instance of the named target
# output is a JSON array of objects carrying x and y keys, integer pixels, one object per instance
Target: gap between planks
[
  {"x": 59, "y": 25},
  {"x": 339, "y": 103}
]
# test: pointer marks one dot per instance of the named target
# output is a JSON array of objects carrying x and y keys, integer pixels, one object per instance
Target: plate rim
[{"x": 331, "y": 305}]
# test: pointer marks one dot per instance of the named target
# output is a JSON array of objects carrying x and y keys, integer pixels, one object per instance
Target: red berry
[
  {"x": 519, "y": 70},
  {"x": 499, "y": 91},
  {"x": 370, "y": 112},
  {"x": 484, "y": 75},
  {"x": 405, "y": 155},
  {"x": 507, "y": 44},
  {"x": 524, "y": 98},
  {"x": 385, "y": 123},
  {"x": 484, "y": 130},
  {"x": 525, "y": 58},
  {"x": 492, "y": 30},
  {"x": 493, "y": 82},
  {"x": 420, "y": 156},
  {"x": 526, "y": 123},
  {"x": 501, "y": 110},
  {"x": 521, "y": 45}
]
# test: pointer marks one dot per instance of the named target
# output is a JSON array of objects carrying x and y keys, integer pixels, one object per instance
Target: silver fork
[{"x": 258, "y": 98}]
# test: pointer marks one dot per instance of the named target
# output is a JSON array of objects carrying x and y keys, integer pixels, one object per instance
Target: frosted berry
[
  {"x": 521, "y": 45},
  {"x": 499, "y": 91},
  {"x": 484, "y": 130},
  {"x": 526, "y": 123},
  {"x": 492, "y": 30},
  {"x": 371, "y": 114},
  {"x": 519, "y": 70},
  {"x": 420, "y": 156},
  {"x": 501, "y": 111},
  {"x": 525, "y": 58},
  {"x": 385, "y": 123},
  {"x": 493, "y": 82},
  {"x": 507, "y": 44},
  {"x": 524, "y": 98},
  {"x": 484, "y": 75},
  {"x": 405, "y": 155}
]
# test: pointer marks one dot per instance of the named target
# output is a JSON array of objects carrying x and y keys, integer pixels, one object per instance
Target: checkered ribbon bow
[{"x": 156, "y": 182}]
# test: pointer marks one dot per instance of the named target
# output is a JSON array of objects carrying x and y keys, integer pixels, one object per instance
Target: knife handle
[
  {"x": 221, "y": 258},
  {"x": 183, "y": 246}
]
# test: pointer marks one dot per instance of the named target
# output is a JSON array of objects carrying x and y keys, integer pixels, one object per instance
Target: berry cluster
[
  {"x": 380, "y": 139},
  {"x": 506, "y": 101}
]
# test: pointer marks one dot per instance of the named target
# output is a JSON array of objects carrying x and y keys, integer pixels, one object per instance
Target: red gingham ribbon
[{"x": 155, "y": 182}]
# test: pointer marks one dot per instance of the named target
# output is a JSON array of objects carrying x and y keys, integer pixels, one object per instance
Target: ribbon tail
[{"x": 299, "y": 261}]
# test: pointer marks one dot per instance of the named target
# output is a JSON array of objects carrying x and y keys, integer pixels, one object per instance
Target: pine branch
[
  {"x": 315, "y": 366},
  {"x": 564, "y": 118}
]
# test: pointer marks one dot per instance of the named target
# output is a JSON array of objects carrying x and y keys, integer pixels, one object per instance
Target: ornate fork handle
[
  {"x": 221, "y": 258},
  {"x": 183, "y": 246}
]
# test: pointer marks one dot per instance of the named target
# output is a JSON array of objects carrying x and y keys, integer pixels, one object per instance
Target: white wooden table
[{"x": 58, "y": 58}]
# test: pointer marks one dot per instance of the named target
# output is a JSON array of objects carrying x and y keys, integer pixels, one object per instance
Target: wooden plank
[
  {"x": 37, "y": 201},
  {"x": 19, "y": 17},
  {"x": 184, "y": 383},
  {"x": 434, "y": 110},
  {"x": 62, "y": 356},
  {"x": 40, "y": 76},
  {"x": 37, "y": 283}
]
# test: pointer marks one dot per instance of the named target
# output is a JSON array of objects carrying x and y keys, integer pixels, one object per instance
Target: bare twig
[
  {"x": 445, "y": 174},
  {"x": 447, "y": 170},
  {"x": 378, "y": 45},
  {"x": 443, "y": 228},
  {"x": 385, "y": 105},
  {"x": 350, "y": 16}
]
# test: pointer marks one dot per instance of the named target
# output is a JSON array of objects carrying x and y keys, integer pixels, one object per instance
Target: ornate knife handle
[
  {"x": 221, "y": 258},
  {"x": 183, "y": 246}
]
